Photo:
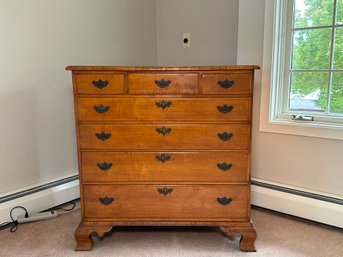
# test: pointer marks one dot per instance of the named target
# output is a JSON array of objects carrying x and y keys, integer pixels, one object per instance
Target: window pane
[
  {"x": 311, "y": 13},
  {"x": 308, "y": 91},
  {"x": 338, "y": 49},
  {"x": 336, "y": 101},
  {"x": 311, "y": 49},
  {"x": 339, "y": 15}
]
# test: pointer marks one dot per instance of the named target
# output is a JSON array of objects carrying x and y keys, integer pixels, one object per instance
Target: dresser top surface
[{"x": 163, "y": 68}]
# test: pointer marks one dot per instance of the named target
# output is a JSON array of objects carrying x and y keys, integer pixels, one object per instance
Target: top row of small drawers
[{"x": 164, "y": 83}]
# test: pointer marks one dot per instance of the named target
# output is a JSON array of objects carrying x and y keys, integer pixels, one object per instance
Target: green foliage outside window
[{"x": 312, "y": 51}]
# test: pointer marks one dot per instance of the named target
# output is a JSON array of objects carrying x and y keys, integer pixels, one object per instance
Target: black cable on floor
[
  {"x": 63, "y": 208},
  {"x": 14, "y": 222}
]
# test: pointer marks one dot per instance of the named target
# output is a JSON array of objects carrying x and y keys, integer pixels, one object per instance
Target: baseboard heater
[
  {"x": 298, "y": 202},
  {"x": 36, "y": 189},
  {"x": 298, "y": 192},
  {"x": 40, "y": 197}
]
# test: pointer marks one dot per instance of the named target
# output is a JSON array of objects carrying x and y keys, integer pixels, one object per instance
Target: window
[{"x": 306, "y": 86}]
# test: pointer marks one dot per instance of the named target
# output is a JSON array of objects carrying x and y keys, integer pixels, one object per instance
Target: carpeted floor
[{"x": 278, "y": 236}]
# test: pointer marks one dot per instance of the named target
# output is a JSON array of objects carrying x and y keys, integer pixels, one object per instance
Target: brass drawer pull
[
  {"x": 163, "y": 104},
  {"x": 163, "y": 158},
  {"x": 100, "y": 83},
  {"x": 163, "y": 130},
  {"x": 224, "y": 200},
  {"x": 163, "y": 83},
  {"x": 104, "y": 165},
  {"x": 225, "y": 108},
  {"x": 106, "y": 200},
  {"x": 225, "y": 136},
  {"x": 224, "y": 166},
  {"x": 101, "y": 108},
  {"x": 226, "y": 83},
  {"x": 164, "y": 190},
  {"x": 103, "y": 136}
]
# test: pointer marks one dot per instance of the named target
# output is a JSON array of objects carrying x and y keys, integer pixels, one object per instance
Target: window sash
[{"x": 279, "y": 111}]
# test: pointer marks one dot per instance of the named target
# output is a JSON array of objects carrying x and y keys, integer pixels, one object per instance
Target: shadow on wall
[
  {"x": 32, "y": 134},
  {"x": 18, "y": 148}
]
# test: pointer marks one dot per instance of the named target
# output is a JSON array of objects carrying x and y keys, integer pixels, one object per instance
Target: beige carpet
[{"x": 278, "y": 236}]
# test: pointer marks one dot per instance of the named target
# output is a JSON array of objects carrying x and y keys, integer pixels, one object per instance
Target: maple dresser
[{"x": 164, "y": 146}]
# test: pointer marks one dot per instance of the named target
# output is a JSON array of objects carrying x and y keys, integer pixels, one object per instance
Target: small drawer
[
  {"x": 156, "y": 83},
  {"x": 150, "y": 109},
  {"x": 226, "y": 83},
  {"x": 228, "y": 202},
  {"x": 100, "y": 83},
  {"x": 164, "y": 136},
  {"x": 218, "y": 166}
]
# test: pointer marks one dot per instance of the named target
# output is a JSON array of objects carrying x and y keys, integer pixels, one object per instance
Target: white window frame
[{"x": 272, "y": 117}]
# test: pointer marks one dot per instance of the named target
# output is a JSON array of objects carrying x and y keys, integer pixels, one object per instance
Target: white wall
[
  {"x": 212, "y": 25},
  {"x": 313, "y": 164},
  {"x": 38, "y": 39}
]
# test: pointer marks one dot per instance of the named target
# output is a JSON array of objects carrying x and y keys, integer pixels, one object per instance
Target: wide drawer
[
  {"x": 226, "y": 83},
  {"x": 218, "y": 166},
  {"x": 108, "y": 109},
  {"x": 156, "y": 83},
  {"x": 164, "y": 136},
  {"x": 166, "y": 201},
  {"x": 100, "y": 83}
]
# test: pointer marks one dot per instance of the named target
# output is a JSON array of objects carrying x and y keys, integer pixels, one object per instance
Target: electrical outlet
[{"x": 186, "y": 40}]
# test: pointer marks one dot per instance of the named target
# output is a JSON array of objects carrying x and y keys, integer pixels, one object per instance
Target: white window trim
[{"x": 268, "y": 122}]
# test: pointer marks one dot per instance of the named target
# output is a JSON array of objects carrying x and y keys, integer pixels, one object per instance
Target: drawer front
[
  {"x": 166, "y": 201},
  {"x": 154, "y": 83},
  {"x": 164, "y": 136},
  {"x": 100, "y": 83},
  {"x": 219, "y": 166},
  {"x": 226, "y": 83},
  {"x": 228, "y": 109}
]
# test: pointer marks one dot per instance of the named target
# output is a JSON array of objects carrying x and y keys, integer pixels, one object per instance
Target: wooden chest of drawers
[{"x": 164, "y": 146}]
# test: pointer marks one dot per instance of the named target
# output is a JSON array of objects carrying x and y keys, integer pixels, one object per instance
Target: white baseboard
[
  {"x": 301, "y": 206},
  {"x": 41, "y": 200}
]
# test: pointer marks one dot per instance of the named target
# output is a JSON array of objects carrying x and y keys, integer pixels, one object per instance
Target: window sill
[{"x": 320, "y": 130}]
